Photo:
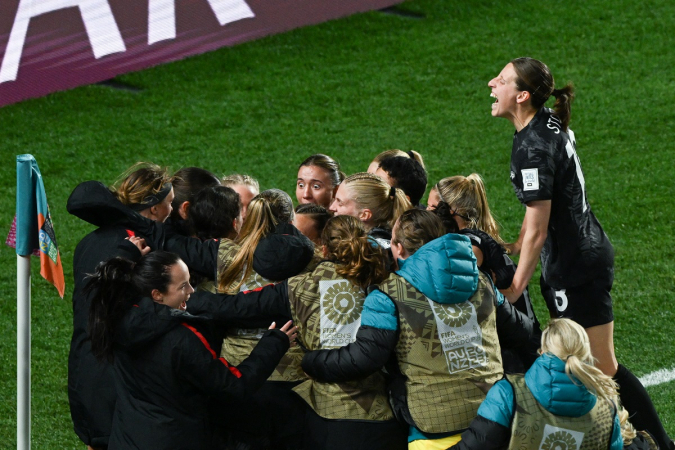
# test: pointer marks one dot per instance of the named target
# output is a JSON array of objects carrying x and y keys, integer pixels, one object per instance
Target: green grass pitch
[{"x": 354, "y": 87}]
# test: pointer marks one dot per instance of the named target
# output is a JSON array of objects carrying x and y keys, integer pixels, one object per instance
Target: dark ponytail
[
  {"x": 115, "y": 286},
  {"x": 446, "y": 215},
  {"x": 112, "y": 295},
  {"x": 563, "y": 104},
  {"x": 535, "y": 77}
]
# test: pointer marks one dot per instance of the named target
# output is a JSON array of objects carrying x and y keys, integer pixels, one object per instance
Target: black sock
[{"x": 636, "y": 401}]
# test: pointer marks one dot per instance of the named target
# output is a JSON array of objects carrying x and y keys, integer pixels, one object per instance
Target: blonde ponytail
[
  {"x": 568, "y": 341},
  {"x": 468, "y": 198},
  {"x": 371, "y": 192},
  {"x": 259, "y": 222}
]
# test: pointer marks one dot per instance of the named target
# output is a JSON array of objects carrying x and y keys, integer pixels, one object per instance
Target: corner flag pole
[
  {"x": 32, "y": 233},
  {"x": 23, "y": 333}
]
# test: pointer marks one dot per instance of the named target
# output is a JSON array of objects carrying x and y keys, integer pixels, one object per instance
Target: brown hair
[
  {"x": 358, "y": 260},
  {"x": 328, "y": 164},
  {"x": 415, "y": 228},
  {"x": 412, "y": 154},
  {"x": 372, "y": 192},
  {"x": 468, "y": 198},
  {"x": 186, "y": 183},
  {"x": 535, "y": 77},
  {"x": 265, "y": 212},
  {"x": 139, "y": 182}
]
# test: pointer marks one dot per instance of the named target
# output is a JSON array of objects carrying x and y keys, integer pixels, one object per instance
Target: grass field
[{"x": 354, "y": 87}]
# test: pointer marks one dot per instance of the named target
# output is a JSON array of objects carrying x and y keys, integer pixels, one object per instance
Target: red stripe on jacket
[{"x": 201, "y": 337}]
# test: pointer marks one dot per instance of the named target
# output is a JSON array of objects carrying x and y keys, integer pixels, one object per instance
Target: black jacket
[
  {"x": 281, "y": 254},
  {"x": 91, "y": 390},
  {"x": 167, "y": 372}
]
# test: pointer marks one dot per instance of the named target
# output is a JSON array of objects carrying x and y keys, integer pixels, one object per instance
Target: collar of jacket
[{"x": 444, "y": 270}]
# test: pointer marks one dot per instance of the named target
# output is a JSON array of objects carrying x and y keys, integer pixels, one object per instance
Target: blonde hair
[
  {"x": 396, "y": 152},
  {"x": 358, "y": 260},
  {"x": 568, "y": 341},
  {"x": 371, "y": 192},
  {"x": 241, "y": 179},
  {"x": 139, "y": 182},
  {"x": 265, "y": 212},
  {"x": 467, "y": 197}
]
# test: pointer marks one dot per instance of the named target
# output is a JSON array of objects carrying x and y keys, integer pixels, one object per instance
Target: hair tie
[
  {"x": 153, "y": 199},
  {"x": 411, "y": 154},
  {"x": 392, "y": 192}
]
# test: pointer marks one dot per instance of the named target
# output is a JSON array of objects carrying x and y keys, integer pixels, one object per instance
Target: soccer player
[{"x": 559, "y": 227}]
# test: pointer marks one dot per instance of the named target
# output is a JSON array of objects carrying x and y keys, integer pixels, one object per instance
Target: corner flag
[{"x": 33, "y": 224}]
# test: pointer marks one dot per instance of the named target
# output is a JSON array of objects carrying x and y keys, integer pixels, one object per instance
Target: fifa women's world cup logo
[
  {"x": 341, "y": 306},
  {"x": 560, "y": 439},
  {"x": 453, "y": 315},
  {"x": 342, "y": 302}
]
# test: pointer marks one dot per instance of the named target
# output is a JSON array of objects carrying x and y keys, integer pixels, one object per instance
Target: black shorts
[{"x": 588, "y": 305}]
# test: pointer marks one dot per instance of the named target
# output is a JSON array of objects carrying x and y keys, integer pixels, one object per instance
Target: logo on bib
[
  {"x": 454, "y": 315},
  {"x": 560, "y": 439},
  {"x": 342, "y": 303}
]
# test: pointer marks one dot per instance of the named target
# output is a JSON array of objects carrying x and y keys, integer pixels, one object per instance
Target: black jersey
[
  {"x": 495, "y": 258},
  {"x": 545, "y": 166}
]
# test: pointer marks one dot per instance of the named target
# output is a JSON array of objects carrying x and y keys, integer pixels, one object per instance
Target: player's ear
[{"x": 522, "y": 97}]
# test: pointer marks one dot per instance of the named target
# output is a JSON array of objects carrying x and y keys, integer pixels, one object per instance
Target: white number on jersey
[{"x": 572, "y": 152}]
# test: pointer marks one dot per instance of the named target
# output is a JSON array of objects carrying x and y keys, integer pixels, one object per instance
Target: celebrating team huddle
[{"x": 208, "y": 314}]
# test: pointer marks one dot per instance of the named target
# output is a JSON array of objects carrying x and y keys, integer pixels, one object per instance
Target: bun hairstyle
[
  {"x": 267, "y": 210},
  {"x": 141, "y": 185},
  {"x": 114, "y": 287},
  {"x": 412, "y": 154},
  {"x": 446, "y": 215},
  {"x": 328, "y": 164},
  {"x": 568, "y": 341},
  {"x": 371, "y": 192},
  {"x": 468, "y": 198},
  {"x": 415, "y": 228},
  {"x": 213, "y": 211},
  {"x": 186, "y": 183},
  {"x": 347, "y": 243},
  {"x": 535, "y": 77}
]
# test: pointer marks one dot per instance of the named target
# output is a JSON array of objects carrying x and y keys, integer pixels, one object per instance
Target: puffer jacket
[
  {"x": 167, "y": 372},
  {"x": 553, "y": 389}
]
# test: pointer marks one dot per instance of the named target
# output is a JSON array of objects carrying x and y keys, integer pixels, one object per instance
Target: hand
[
  {"x": 513, "y": 249},
  {"x": 140, "y": 244},
  {"x": 289, "y": 330},
  {"x": 511, "y": 294}
]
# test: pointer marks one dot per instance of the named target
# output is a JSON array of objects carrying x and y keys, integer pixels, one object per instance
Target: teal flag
[{"x": 33, "y": 227}]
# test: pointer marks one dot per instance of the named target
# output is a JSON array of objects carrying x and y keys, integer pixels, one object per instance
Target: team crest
[{"x": 560, "y": 439}]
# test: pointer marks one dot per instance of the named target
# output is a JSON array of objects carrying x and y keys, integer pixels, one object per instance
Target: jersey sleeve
[{"x": 533, "y": 172}]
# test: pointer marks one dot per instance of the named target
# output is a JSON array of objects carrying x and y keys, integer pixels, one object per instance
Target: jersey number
[
  {"x": 572, "y": 152},
  {"x": 561, "y": 300}
]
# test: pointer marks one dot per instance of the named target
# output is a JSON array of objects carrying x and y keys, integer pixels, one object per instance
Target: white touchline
[{"x": 658, "y": 377}]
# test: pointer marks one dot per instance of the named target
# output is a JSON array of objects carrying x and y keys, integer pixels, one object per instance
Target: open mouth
[
  {"x": 494, "y": 96},
  {"x": 183, "y": 306}
]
